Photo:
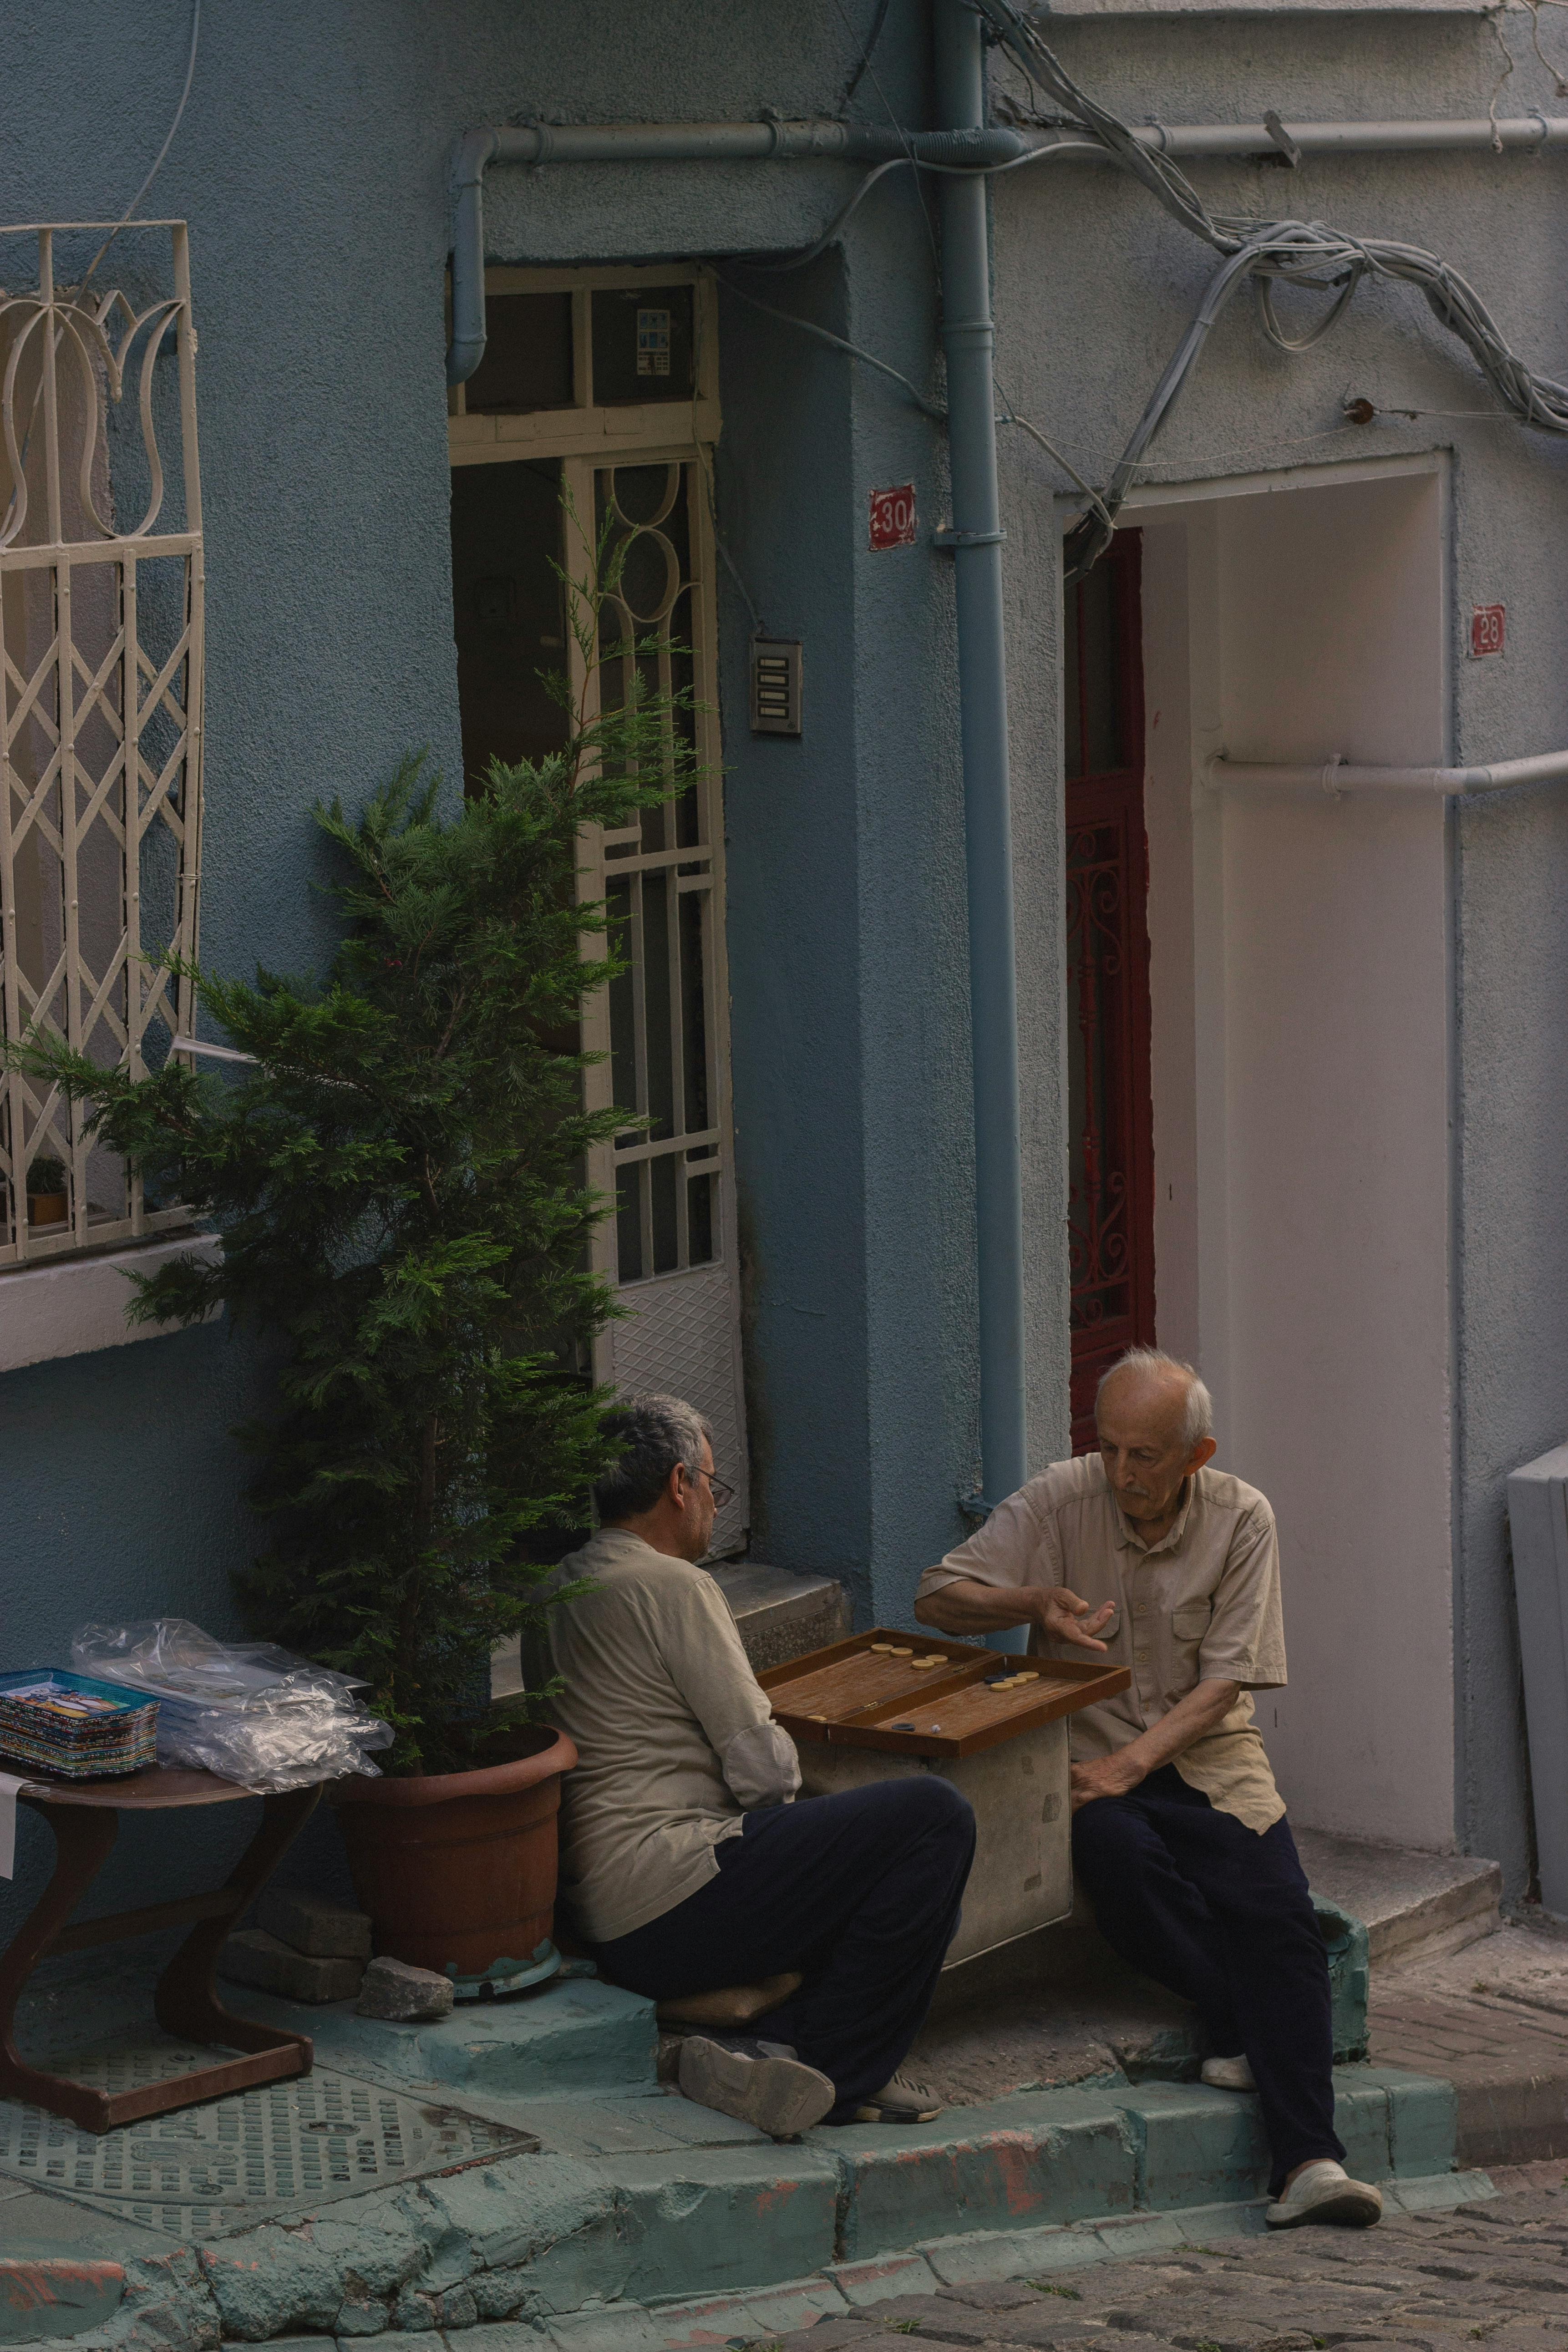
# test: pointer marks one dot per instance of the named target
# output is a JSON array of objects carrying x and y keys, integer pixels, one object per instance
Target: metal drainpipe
[{"x": 968, "y": 338}]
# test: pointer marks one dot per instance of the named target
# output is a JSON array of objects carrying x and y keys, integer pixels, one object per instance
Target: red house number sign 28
[
  {"x": 893, "y": 517},
  {"x": 1486, "y": 630}
]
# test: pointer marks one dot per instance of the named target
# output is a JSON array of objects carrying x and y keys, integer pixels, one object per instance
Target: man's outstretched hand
[{"x": 1065, "y": 1618}]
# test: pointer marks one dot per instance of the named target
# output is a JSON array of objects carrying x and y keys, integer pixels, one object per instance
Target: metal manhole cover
[{"x": 280, "y": 2147}]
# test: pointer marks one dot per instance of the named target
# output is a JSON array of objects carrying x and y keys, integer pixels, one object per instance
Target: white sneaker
[
  {"x": 1229, "y": 2073},
  {"x": 1325, "y": 2192},
  {"x": 759, "y": 2083}
]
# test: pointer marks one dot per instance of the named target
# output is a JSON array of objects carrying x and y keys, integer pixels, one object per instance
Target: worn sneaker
[
  {"x": 760, "y": 2083},
  {"x": 1325, "y": 2192},
  {"x": 901, "y": 2101},
  {"x": 1229, "y": 2073}
]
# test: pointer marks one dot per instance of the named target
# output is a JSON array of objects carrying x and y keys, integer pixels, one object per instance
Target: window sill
[{"x": 75, "y": 1306}]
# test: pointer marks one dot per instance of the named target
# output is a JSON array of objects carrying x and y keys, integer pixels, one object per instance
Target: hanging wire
[
  {"x": 1307, "y": 254},
  {"x": 157, "y": 162},
  {"x": 836, "y": 342},
  {"x": 866, "y": 45}
]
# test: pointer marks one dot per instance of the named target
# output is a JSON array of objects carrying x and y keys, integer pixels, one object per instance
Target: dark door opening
[
  {"x": 1111, "y": 1187},
  {"x": 507, "y": 611}
]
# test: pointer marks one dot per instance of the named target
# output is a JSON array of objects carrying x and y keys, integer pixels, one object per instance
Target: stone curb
[{"x": 530, "y": 2245}]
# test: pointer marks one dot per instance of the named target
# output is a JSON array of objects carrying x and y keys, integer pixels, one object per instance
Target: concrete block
[
  {"x": 1240, "y": 2219},
  {"x": 255, "y": 1957},
  {"x": 1194, "y": 2145},
  {"x": 1040, "y": 2157},
  {"x": 550, "y": 2215},
  {"x": 723, "y": 2220},
  {"x": 779, "y": 2309},
  {"x": 395, "y": 2340},
  {"x": 863, "y": 2284},
  {"x": 1350, "y": 1980},
  {"x": 360, "y": 2317},
  {"x": 1439, "y": 2193},
  {"x": 44, "y": 2295},
  {"x": 1361, "y": 2119},
  {"x": 612, "y": 2327},
  {"x": 1124, "y": 2242},
  {"x": 307, "y": 1923},
  {"x": 579, "y": 2036},
  {"x": 405, "y": 1995},
  {"x": 272, "y": 2282},
  {"x": 1423, "y": 2117},
  {"x": 699, "y": 2327},
  {"x": 780, "y": 1614},
  {"x": 1037, "y": 2252},
  {"x": 505, "y": 2335}
]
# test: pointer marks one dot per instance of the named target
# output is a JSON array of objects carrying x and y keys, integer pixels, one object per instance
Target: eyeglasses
[{"x": 721, "y": 1493}]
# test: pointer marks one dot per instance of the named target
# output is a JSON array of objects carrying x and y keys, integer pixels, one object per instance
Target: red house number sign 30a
[
  {"x": 1486, "y": 630},
  {"x": 893, "y": 517}
]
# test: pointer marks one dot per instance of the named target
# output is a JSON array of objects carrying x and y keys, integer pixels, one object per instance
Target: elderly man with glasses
[
  {"x": 687, "y": 1862},
  {"x": 1179, "y": 1834}
]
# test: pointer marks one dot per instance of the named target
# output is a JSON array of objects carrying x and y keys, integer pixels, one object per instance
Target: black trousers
[
  {"x": 860, "y": 1892},
  {"x": 1221, "y": 1916}
]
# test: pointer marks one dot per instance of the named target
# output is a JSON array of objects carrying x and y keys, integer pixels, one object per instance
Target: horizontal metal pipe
[
  {"x": 1335, "y": 776},
  {"x": 1354, "y": 138},
  {"x": 996, "y": 147},
  {"x": 674, "y": 142}
]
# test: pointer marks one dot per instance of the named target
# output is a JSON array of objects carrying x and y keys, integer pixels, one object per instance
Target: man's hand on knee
[{"x": 1105, "y": 1776}]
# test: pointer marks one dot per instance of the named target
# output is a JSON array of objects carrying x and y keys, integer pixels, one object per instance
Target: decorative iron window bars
[{"x": 101, "y": 697}]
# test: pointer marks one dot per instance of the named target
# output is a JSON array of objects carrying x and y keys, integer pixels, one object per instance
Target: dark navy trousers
[
  {"x": 860, "y": 1891},
  {"x": 1221, "y": 1916}
]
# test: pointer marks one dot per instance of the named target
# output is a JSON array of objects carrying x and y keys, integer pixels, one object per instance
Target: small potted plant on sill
[
  {"x": 48, "y": 1191},
  {"x": 397, "y": 1182}
]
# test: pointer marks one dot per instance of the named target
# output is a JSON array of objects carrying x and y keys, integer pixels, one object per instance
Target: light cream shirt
[
  {"x": 1200, "y": 1605},
  {"x": 674, "y": 1738}
]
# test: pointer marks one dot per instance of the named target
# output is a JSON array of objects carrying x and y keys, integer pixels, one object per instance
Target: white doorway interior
[{"x": 1301, "y": 987}]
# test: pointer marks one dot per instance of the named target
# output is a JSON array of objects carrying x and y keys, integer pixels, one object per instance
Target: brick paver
[{"x": 1492, "y": 2272}]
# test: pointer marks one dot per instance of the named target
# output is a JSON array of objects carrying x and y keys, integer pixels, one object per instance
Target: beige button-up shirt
[
  {"x": 1201, "y": 1605},
  {"x": 676, "y": 1740}
]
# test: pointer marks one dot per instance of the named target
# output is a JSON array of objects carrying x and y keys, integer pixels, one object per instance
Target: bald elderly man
[{"x": 1179, "y": 1835}]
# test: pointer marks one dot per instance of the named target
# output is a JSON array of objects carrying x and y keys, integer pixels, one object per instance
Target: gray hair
[
  {"x": 656, "y": 1432},
  {"x": 1199, "y": 1422}
]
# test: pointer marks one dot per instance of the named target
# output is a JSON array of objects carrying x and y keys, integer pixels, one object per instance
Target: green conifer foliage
[{"x": 398, "y": 1182}]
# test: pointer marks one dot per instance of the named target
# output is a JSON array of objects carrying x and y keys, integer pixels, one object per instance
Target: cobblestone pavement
[{"x": 1491, "y": 2272}]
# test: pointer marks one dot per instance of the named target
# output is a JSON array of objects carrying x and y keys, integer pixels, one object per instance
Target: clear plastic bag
[{"x": 245, "y": 1710}]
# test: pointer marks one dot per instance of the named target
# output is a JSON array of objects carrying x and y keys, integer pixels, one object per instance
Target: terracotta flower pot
[{"x": 459, "y": 1867}]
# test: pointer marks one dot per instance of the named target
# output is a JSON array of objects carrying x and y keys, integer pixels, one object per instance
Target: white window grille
[
  {"x": 100, "y": 698},
  {"x": 642, "y": 464}
]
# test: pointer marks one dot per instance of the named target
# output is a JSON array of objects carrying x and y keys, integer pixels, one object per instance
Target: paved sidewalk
[
  {"x": 1494, "y": 2272},
  {"x": 1493, "y": 2019}
]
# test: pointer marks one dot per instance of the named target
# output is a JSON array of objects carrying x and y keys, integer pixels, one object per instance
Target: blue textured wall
[{"x": 312, "y": 166}]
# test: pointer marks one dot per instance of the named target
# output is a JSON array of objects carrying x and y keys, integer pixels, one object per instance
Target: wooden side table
[{"x": 85, "y": 1818}]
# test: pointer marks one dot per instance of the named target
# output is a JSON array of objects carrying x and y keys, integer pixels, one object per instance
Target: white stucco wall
[
  {"x": 1094, "y": 285},
  {"x": 1300, "y": 1064}
]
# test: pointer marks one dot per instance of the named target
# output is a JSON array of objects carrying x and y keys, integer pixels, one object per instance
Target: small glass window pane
[
  {"x": 643, "y": 345},
  {"x": 527, "y": 364}
]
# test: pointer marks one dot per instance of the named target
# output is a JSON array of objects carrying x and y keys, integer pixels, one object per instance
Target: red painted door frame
[{"x": 1110, "y": 1212}]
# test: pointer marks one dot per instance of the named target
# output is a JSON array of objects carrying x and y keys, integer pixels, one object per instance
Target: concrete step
[
  {"x": 578, "y": 2039},
  {"x": 1413, "y": 1905},
  {"x": 531, "y": 2238},
  {"x": 781, "y": 1614}
]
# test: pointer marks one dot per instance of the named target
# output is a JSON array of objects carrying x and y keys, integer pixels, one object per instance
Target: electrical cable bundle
[{"x": 1300, "y": 253}]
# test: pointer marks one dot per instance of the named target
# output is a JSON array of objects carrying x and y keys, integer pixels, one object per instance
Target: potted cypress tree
[{"x": 397, "y": 1179}]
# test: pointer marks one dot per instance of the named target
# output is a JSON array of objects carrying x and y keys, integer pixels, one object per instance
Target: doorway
[
  {"x": 1110, "y": 1179},
  {"x": 591, "y": 419}
]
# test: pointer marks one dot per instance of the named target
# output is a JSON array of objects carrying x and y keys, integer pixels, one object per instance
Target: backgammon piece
[
  {"x": 900, "y": 1653},
  {"x": 1026, "y": 1678},
  {"x": 817, "y": 1719},
  {"x": 882, "y": 1650}
]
